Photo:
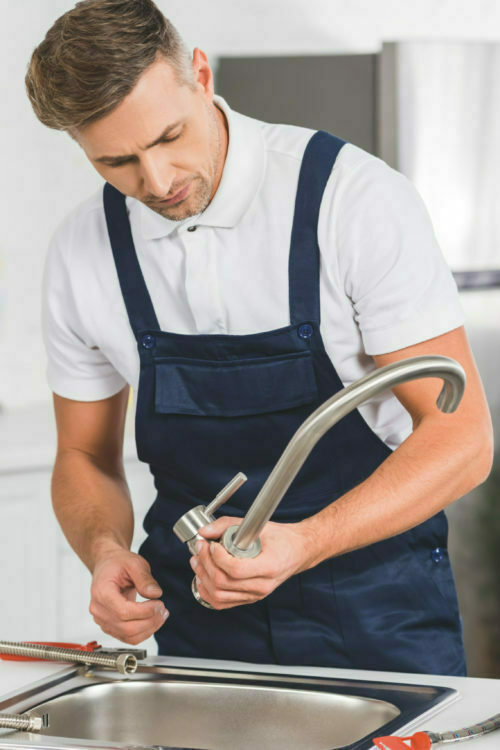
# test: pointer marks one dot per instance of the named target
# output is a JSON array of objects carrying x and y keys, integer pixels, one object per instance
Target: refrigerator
[
  {"x": 432, "y": 111},
  {"x": 438, "y": 123}
]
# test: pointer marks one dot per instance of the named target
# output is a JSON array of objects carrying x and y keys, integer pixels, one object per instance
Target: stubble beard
[{"x": 201, "y": 187}]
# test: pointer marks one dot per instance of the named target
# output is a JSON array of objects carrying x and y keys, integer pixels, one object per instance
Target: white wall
[{"x": 45, "y": 174}]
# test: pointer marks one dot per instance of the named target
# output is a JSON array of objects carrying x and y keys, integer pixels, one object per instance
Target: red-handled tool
[
  {"x": 91, "y": 646},
  {"x": 428, "y": 740},
  {"x": 418, "y": 741}
]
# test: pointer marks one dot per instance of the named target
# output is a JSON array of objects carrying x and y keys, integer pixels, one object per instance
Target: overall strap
[
  {"x": 140, "y": 309},
  {"x": 317, "y": 163}
]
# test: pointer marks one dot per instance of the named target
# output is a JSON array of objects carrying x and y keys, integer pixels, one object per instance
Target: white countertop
[
  {"x": 27, "y": 441},
  {"x": 478, "y": 699}
]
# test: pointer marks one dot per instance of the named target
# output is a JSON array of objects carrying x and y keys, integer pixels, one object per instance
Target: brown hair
[{"x": 92, "y": 57}]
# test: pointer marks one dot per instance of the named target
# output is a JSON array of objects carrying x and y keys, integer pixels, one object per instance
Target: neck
[{"x": 223, "y": 134}]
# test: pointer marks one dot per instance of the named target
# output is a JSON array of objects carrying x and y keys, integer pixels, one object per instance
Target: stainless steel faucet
[{"x": 243, "y": 540}]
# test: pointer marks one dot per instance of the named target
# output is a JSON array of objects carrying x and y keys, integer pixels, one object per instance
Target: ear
[{"x": 202, "y": 73}]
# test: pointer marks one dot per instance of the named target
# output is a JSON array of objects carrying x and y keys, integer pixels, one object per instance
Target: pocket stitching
[{"x": 305, "y": 397}]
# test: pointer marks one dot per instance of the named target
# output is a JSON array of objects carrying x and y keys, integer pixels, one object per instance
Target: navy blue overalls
[{"x": 209, "y": 406}]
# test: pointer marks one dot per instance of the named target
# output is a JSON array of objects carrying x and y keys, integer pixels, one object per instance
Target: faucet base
[
  {"x": 228, "y": 542},
  {"x": 197, "y": 596}
]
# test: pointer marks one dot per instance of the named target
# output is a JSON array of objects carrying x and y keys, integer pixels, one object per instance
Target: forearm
[
  {"x": 445, "y": 456},
  {"x": 92, "y": 504},
  {"x": 432, "y": 468}
]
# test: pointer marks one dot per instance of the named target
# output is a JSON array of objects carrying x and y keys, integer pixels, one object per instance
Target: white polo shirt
[{"x": 384, "y": 284}]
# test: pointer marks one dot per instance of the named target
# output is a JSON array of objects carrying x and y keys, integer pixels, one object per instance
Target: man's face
[{"x": 165, "y": 143}]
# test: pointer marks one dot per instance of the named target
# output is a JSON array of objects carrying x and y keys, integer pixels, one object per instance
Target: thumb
[
  {"x": 143, "y": 580},
  {"x": 216, "y": 529}
]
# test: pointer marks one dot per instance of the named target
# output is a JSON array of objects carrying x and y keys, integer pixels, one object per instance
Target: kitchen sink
[{"x": 165, "y": 706}]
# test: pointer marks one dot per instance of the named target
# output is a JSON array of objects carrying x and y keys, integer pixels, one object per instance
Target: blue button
[
  {"x": 148, "y": 341},
  {"x": 437, "y": 554},
  {"x": 305, "y": 331}
]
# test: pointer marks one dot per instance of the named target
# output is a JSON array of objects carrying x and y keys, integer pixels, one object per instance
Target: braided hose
[
  {"x": 123, "y": 663},
  {"x": 21, "y": 722},
  {"x": 427, "y": 740},
  {"x": 468, "y": 733}
]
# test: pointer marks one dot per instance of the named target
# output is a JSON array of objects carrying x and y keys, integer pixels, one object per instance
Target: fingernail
[
  {"x": 166, "y": 614},
  {"x": 212, "y": 547},
  {"x": 198, "y": 581},
  {"x": 208, "y": 529},
  {"x": 158, "y": 608},
  {"x": 153, "y": 589},
  {"x": 198, "y": 546},
  {"x": 194, "y": 562}
]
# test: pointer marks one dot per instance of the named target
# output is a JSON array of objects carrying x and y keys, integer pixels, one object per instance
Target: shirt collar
[{"x": 241, "y": 178}]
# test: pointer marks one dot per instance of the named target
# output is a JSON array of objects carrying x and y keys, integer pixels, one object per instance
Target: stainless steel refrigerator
[
  {"x": 439, "y": 123},
  {"x": 431, "y": 110}
]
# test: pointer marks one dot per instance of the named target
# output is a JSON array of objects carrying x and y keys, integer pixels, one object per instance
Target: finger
[
  {"x": 216, "y": 580},
  {"x": 204, "y": 558},
  {"x": 111, "y": 600},
  {"x": 214, "y": 558},
  {"x": 233, "y": 567},
  {"x": 212, "y": 582},
  {"x": 133, "y": 637},
  {"x": 129, "y": 611},
  {"x": 140, "y": 575},
  {"x": 198, "y": 567},
  {"x": 136, "y": 640},
  {"x": 256, "y": 588},
  {"x": 137, "y": 633},
  {"x": 216, "y": 529},
  {"x": 239, "y": 567},
  {"x": 223, "y": 600},
  {"x": 130, "y": 628}
]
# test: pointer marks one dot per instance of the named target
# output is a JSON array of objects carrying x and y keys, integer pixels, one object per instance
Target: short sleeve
[
  {"x": 391, "y": 267},
  {"x": 76, "y": 369}
]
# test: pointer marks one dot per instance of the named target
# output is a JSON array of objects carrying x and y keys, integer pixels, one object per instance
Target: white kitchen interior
[{"x": 45, "y": 587}]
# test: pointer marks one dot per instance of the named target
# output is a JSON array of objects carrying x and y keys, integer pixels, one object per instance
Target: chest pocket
[{"x": 233, "y": 388}]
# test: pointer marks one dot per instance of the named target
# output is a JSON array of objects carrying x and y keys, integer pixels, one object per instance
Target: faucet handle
[
  {"x": 226, "y": 492},
  {"x": 186, "y": 528}
]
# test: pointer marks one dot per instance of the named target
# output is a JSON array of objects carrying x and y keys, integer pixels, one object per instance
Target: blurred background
[{"x": 415, "y": 83}]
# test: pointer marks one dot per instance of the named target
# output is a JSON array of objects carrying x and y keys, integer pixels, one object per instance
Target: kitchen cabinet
[
  {"x": 45, "y": 591},
  {"x": 74, "y": 620},
  {"x": 28, "y": 557}
]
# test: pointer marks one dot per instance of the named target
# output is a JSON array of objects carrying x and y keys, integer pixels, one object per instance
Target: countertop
[
  {"x": 27, "y": 442},
  {"x": 478, "y": 699}
]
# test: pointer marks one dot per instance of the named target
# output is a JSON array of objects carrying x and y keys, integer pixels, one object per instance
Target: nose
[{"x": 157, "y": 176}]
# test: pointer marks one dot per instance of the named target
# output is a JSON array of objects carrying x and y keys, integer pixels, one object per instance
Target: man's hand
[
  {"x": 118, "y": 577},
  {"x": 225, "y": 581}
]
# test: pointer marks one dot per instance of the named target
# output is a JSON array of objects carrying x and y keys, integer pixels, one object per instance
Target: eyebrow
[{"x": 127, "y": 157}]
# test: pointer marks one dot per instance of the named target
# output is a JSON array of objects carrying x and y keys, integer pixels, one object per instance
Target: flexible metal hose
[
  {"x": 468, "y": 733},
  {"x": 123, "y": 663},
  {"x": 21, "y": 722}
]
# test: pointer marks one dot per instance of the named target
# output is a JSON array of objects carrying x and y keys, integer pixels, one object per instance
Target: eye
[
  {"x": 118, "y": 164},
  {"x": 169, "y": 140}
]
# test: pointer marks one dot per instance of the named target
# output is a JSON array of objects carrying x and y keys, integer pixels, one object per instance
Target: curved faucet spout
[{"x": 326, "y": 416}]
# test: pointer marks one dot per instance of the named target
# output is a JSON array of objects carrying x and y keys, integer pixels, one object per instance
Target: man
[{"x": 236, "y": 274}]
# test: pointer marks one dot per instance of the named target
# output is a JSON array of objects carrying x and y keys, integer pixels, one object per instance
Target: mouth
[{"x": 177, "y": 198}]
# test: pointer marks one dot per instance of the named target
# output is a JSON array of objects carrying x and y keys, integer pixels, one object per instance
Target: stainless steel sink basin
[{"x": 163, "y": 707}]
